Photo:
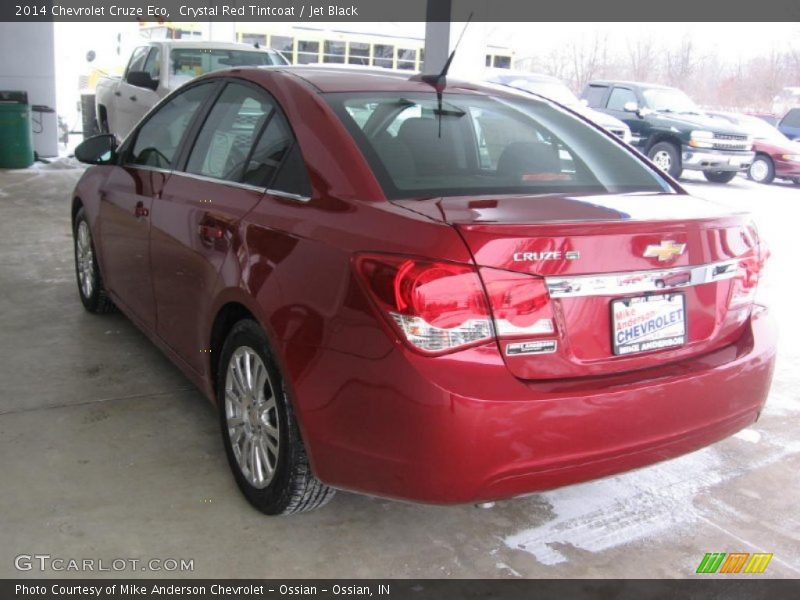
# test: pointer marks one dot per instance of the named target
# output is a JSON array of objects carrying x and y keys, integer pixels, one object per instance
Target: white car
[
  {"x": 554, "y": 89},
  {"x": 158, "y": 67}
]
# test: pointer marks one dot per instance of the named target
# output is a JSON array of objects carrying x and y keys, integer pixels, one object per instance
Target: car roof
[
  {"x": 369, "y": 79},
  {"x": 198, "y": 44},
  {"x": 639, "y": 84},
  {"x": 509, "y": 74}
]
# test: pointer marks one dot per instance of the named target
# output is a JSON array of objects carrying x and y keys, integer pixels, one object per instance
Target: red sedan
[
  {"x": 777, "y": 157},
  {"x": 420, "y": 289}
]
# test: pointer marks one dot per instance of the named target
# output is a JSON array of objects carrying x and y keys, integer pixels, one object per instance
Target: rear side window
[
  {"x": 228, "y": 134},
  {"x": 619, "y": 98},
  {"x": 293, "y": 176},
  {"x": 157, "y": 141},
  {"x": 270, "y": 151},
  {"x": 594, "y": 94},
  {"x": 792, "y": 118}
]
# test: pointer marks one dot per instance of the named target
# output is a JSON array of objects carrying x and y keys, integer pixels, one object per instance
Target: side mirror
[
  {"x": 97, "y": 150},
  {"x": 631, "y": 107},
  {"x": 141, "y": 79}
]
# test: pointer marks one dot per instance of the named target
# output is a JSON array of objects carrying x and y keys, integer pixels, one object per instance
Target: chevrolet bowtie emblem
[{"x": 665, "y": 250}]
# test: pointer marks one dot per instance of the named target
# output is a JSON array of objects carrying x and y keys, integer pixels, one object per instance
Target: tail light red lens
[
  {"x": 441, "y": 306},
  {"x": 436, "y": 306},
  {"x": 520, "y": 303},
  {"x": 745, "y": 284}
]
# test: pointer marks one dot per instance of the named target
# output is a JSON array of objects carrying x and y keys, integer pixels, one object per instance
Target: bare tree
[
  {"x": 642, "y": 59},
  {"x": 588, "y": 57},
  {"x": 681, "y": 62}
]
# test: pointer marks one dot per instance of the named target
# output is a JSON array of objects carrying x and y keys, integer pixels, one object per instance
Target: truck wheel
[
  {"x": 261, "y": 437},
  {"x": 719, "y": 176},
  {"x": 667, "y": 158},
  {"x": 762, "y": 170}
]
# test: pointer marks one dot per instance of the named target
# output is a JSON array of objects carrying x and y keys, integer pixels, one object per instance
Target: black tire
[
  {"x": 94, "y": 298},
  {"x": 762, "y": 169},
  {"x": 661, "y": 149},
  {"x": 292, "y": 488},
  {"x": 720, "y": 176}
]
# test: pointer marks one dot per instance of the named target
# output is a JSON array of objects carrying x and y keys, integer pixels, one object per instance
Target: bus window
[
  {"x": 307, "y": 52},
  {"x": 359, "y": 53},
  {"x": 334, "y": 52},
  {"x": 384, "y": 56}
]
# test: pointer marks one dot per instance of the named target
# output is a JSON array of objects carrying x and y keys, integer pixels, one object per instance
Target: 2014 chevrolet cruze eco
[{"x": 441, "y": 297}]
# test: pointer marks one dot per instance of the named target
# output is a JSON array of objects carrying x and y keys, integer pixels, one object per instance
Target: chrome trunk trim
[{"x": 629, "y": 282}]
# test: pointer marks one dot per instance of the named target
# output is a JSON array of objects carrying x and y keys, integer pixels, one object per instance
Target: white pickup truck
[{"x": 156, "y": 68}]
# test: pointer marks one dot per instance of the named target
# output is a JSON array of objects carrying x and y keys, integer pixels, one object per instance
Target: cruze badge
[
  {"x": 665, "y": 250},
  {"x": 546, "y": 255}
]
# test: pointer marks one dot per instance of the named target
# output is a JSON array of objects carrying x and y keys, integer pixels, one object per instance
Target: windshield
[
  {"x": 670, "y": 100},
  {"x": 761, "y": 130},
  {"x": 193, "y": 62},
  {"x": 479, "y": 145},
  {"x": 554, "y": 90}
]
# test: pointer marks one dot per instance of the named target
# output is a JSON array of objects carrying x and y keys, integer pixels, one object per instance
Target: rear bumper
[
  {"x": 715, "y": 160},
  {"x": 461, "y": 428}
]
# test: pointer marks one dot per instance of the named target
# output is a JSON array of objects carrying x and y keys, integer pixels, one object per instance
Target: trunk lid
[{"x": 610, "y": 263}]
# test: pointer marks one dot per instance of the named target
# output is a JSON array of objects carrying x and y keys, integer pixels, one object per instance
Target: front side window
[
  {"x": 478, "y": 145},
  {"x": 225, "y": 140},
  {"x": 152, "y": 65},
  {"x": 157, "y": 141},
  {"x": 138, "y": 59},
  {"x": 619, "y": 98}
]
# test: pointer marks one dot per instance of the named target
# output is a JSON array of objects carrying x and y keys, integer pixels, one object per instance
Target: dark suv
[{"x": 672, "y": 130}]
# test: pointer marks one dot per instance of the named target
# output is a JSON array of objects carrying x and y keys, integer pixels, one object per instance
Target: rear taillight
[
  {"x": 441, "y": 306},
  {"x": 520, "y": 303},
  {"x": 436, "y": 306},
  {"x": 745, "y": 284}
]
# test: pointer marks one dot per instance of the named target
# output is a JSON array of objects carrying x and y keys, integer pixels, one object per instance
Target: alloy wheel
[
  {"x": 252, "y": 417},
  {"x": 85, "y": 260}
]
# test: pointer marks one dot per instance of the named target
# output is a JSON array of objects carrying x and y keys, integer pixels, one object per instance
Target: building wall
[{"x": 27, "y": 63}]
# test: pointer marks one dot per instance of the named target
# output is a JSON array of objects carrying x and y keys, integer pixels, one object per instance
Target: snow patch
[
  {"x": 612, "y": 512},
  {"x": 748, "y": 435},
  {"x": 616, "y": 511}
]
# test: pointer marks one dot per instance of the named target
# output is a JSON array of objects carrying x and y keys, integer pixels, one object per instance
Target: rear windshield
[
  {"x": 484, "y": 145},
  {"x": 193, "y": 62}
]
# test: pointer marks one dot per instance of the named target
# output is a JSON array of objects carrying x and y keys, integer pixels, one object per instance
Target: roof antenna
[{"x": 439, "y": 81}]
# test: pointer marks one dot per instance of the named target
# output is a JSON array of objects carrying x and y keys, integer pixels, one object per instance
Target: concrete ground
[{"x": 108, "y": 452}]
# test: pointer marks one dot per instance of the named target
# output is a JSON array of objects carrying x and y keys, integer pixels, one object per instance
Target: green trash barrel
[{"x": 16, "y": 136}]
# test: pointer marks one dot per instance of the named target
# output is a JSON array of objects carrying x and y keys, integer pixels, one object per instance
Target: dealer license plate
[{"x": 648, "y": 323}]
